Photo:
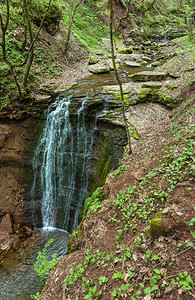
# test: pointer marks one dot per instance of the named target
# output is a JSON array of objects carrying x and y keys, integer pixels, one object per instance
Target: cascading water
[{"x": 61, "y": 166}]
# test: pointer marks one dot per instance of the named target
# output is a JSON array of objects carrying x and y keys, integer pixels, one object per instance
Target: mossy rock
[
  {"x": 153, "y": 95},
  {"x": 155, "y": 63},
  {"x": 149, "y": 76},
  {"x": 156, "y": 225},
  {"x": 131, "y": 64},
  {"x": 93, "y": 60},
  {"x": 75, "y": 240},
  {"x": 99, "y": 69},
  {"x": 147, "y": 43},
  {"x": 151, "y": 85},
  {"x": 127, "y": 50}
]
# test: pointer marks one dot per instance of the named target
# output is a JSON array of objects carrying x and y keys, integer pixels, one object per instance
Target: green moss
[
  {"x": 156, "y": 226},
  {"x": 151, "y": 85},
  {"x": 136, "y": 134},
  {"x": 173, "y": 75},
  {"x": 103, "y": 162},
  {"x": 147, "y": 43},
  {"x": 117, "y": 95},
  {"x": 93, "y": 60},
  {"x": 152, "y": 95},
  {"x": 71, "y": 86},
  {"x": 127, "y": 50},
  {"x": 105, "y": 171},
  {"x": 75, "y": 240}
]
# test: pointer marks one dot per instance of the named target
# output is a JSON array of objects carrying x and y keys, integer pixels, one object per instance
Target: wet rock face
[
  {"x": 6, "y": 224},
  {"x": 5, "y": 130},
  {"x": 16, "y": 149},
  {"x": 149, "y": 75}
]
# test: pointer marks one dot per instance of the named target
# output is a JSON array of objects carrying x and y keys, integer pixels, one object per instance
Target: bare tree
[
  {"x": 117, "y": 76},
  {"x": 77, "y": 4},
  {"x": 4, "y": 27},
  {"x": 27, "y": 63}
]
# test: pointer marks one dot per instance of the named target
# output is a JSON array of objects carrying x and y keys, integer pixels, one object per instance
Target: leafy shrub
[{"x": 42, "y": 264}]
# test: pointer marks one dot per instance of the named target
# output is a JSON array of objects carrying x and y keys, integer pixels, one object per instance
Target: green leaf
[
  {"x": 189, "y": 244},
  {"x": 124, "y": 287},
  {"x": 192, "y": 222},
  {"x": 130, "y": 273},
  {"x": 152, "y": 281},
  {"x": 147, "y": 291},
  {"x": 141, "y": 284},
  {"x": 138, "y": 292},
  {"x": 193, "y": 234},
  {"x": 139, "y": 240},
  {"x": 155, "y": 288},
  {"x": 189, "y": 279},
  {"x": 186, "y": 287},
  {"x": 157, "y": 271}
]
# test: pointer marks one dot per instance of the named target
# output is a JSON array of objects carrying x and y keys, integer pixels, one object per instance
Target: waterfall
[{"x": 61, "y": 166}]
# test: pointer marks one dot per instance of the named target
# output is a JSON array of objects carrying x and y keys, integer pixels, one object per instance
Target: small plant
[
  {"x": 183, "y": 280},
  {"x": 119, "y": 170},
  {"x": 102, "y": 280},
  {"x": 118, "y": 275},
  {"x": 42, "y": 264},
  {"x": 93, "y": 293},
  {"x": 36, "y": 297}
]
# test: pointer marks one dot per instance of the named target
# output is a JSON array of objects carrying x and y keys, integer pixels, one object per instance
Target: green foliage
[
  {"x": 118, "y": 275},
  {"x": 93, "y": 203},
  {"x": 188, "y": 45},
  {"x": 119, "y": 170},
  {"x": 36, "y": 297},
  {"x": 43, "y": 265},
  {"x": 102, "y": 280},
  {"x": 192, "y": 221},
  {"x": 183, "y": 281},
  {"x": 87, "y": 27},
  {"x": 92, "y": 293}
]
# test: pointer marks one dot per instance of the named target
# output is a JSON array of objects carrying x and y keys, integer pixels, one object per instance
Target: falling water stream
[{"x": 61, "y": 166}]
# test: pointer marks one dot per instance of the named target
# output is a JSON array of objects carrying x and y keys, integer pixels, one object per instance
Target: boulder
[
  {"x": 6, "y": 224},
  {"x": 127, "y": 50},
  {"x": 155, "y": 63},
  {"x": 146, "y": 58},
  {"x": 106, "y": 42},
  {"x": 110, "y": 64},
  {"x": 99, "y": 69},
  {"x": 93, "y": 60},
  {"x": 131, "y": 64},
  {"x": 6, "y": 243},
  {"x": 149, "y": 76}
]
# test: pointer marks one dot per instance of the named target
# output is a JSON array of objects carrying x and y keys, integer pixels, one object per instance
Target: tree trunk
[
  {"x": 31, "y": 53},
  {"x": 117, "y": 77},
  {"x": 4, "y": 52},
  {"x": 70, "y": 24}
]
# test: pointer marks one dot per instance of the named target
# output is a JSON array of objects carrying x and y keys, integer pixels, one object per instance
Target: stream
[{"x": 61, "y": 167}]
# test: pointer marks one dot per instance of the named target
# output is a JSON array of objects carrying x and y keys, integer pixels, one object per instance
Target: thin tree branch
[{"x": 117, "y": 77}]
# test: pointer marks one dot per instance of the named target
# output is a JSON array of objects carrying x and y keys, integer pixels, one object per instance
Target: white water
[{"x": 61, "y": 166}]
